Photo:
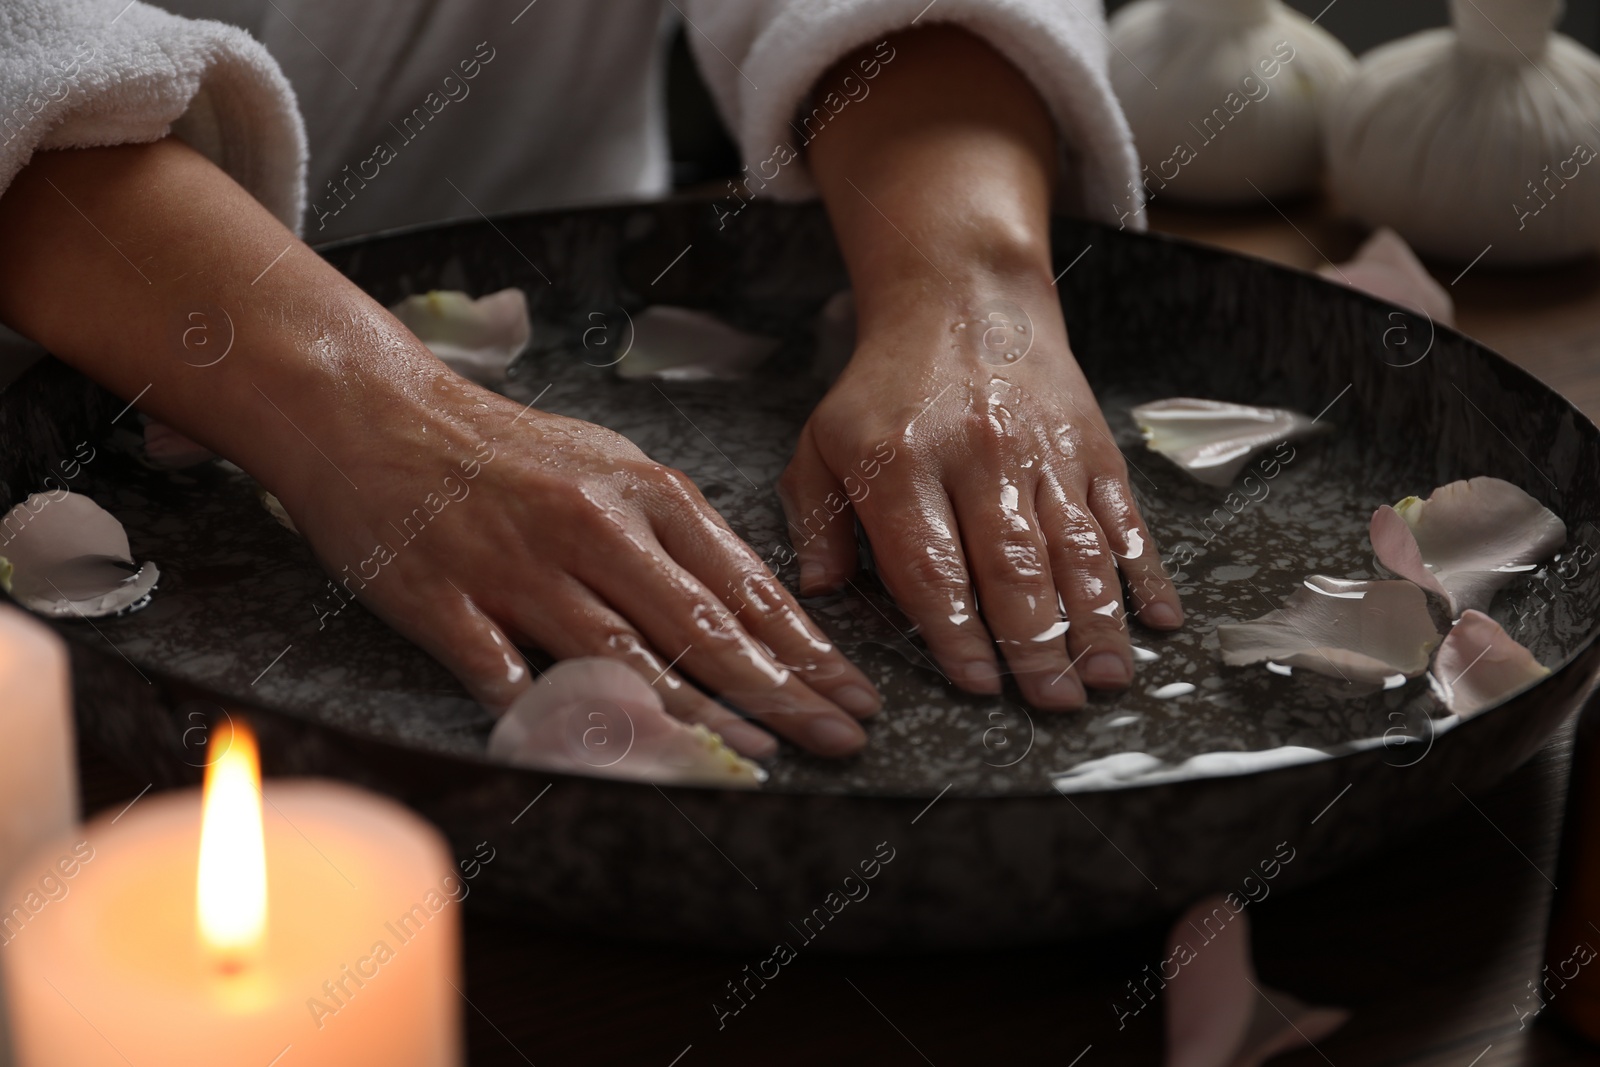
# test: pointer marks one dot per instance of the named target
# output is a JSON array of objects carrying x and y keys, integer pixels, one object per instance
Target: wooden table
[{"x": 1429, "y": 944}]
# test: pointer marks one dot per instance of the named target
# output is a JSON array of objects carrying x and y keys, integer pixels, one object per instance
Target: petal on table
[
  {"x": 1385, "y": 267},
  {"x": 596, "y": 716},
  {"x": 1479, "y": 665},
  {"x": 477, "y": 339},
  {"x": 1218, "y": 1013},
  {"x": 1467, "y": 540},
  {"x": 67, "y": 557},
  {"x": 1212, "y": 439},
  {"x": 1361, "y": 632}
]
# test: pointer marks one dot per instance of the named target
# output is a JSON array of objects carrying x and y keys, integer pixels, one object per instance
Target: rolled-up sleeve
[
  {"x": 88, "y": 73},
  {"x": 762, "y": 58}
]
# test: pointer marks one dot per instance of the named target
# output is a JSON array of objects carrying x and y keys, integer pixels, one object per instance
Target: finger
[
  {"x": 1010, "y": 564},
  {"x": 1137, "y": 556},
  {"x": 680, "y": 617},
  {"x": 1084, "y": 574},
  {"x": 574, "y": 622},
  {"x": 822, "y": 523},
  {"x": 703, "y": 544},
  {"x": 916, "y": 546},
  {"x": 454, "y": 631}
]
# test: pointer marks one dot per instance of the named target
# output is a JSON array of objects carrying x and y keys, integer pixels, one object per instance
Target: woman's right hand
[
  {"x": 478, "y": 522},
  {"x": 464, "y": 519}
]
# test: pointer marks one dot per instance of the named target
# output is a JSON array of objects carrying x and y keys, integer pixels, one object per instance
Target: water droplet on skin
[
  {"x": 1053, "y": 632},
  {"x": 1278, "y": 668},
  {"x": 1175, "y": 689},
  {"x": 1108, "y": 609},
  {"x": 1144, "y": 655}
]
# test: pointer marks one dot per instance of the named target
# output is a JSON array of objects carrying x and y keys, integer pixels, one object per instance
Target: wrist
[{"x": 988, "y": 308}]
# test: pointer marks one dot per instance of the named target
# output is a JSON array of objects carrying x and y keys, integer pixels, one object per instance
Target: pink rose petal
[
  {"x": 1479, "y": 665},
  {"x": 1361, "y": 632},
  {"x": 1218, "y": 1013},
  {"x": 166, "y": 447},
  {"x": 1213, "y": 439},
  {"x": 1385, "y": 267},
  {"x": 596, "y": 716},
  {"x": 1467, "y": 540}
]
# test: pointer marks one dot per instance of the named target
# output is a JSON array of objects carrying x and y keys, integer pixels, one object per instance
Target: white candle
[
  {"x": 38, "y": 784},
  {"x": 157, "y": 954}
]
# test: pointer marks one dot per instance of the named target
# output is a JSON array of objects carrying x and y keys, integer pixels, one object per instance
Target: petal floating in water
[
  {"x": 596, "y": 716},
  {"x": 681, "y": 344},
  {"x": 477, "y": 339},
  {"x": 1466, "y": 540},
  {"x": 166, "y": 447},
  {"x": 1361, "y": 632},
  {"x": 67, "y": 557},
  {"x": 1479, "y": 665},
  {"x": 1212, "y": 439}
]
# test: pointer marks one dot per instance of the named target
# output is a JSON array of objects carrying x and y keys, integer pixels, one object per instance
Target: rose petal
[
  {"x": 1209, "y": 1001},
  {"x": 596, "y": 716},
  {"x": 1217, "y": 1013},
  {"x": 1386, "y": 267},
  {"x": 477, "y": 339},
  {"x": 1479, "y": 665},
  {"x": 166, "y": 447},
  {"x": 681, "y": 344},
  {"x": 1467, "y": 540},
  {"x": 1212, "y": 439},
  {"x": 67, "y": 557},
  {"x": 1361, "y": 632}
]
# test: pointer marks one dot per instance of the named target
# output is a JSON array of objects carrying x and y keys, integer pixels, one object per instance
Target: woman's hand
[
  {"x": 479, "y": 523},
  {"x": 1000, "y": 486},
  {"x": 1005, "y": 490},
  {"x": 456, "y": 515}
]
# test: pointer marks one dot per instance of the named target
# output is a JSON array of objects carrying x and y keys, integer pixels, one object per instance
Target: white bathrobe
[{"x": 412, "y": 111}]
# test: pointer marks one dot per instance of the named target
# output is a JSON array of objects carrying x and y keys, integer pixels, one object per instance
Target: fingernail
[
  {"x": 812, "y": 575},
  {"x": 1061, "y": 689},
  {"x": 1160, "y": 615},
  {"x": 1105, "y": 669},
  {"x": 832, "y": 736},
  {"x": 857, "y": 700},
  {"x": 747, "y": 739},
  {"x": 979, "y": 674}
]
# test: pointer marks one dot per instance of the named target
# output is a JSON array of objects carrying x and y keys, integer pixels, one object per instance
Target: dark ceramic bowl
[{"x": 957, "y": 790}]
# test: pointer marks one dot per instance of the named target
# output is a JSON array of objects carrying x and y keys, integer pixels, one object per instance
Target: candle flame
[{"x": 231, "y": 902}]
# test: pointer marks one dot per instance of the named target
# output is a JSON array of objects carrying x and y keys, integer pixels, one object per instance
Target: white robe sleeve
[
  {"x": 86, "y": 73},
  {"x": 761, "y": 59}
]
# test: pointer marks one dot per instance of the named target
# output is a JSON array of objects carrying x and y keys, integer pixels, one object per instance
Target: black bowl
[{"x": 954, "y": 800}]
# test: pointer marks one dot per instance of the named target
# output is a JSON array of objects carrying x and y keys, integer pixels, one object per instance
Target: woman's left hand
[
  {"x": 972, "y": 450},
  {"x": 962, "y": 434}
]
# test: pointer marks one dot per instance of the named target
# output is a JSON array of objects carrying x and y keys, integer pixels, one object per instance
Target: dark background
[{"x": 702, "y": 150}]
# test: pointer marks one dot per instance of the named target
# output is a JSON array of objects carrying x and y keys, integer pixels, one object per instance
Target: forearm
[
  {"x": 140, "y": 264},
  {"x": 938, "y": 183}
]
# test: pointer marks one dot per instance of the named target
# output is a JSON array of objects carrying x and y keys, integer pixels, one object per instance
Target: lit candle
[
  {"x": 198, "y": 932},
  {"x": 38, "y": 786}
]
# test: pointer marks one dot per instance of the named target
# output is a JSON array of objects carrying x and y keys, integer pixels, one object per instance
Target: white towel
[
  {"x": 85, "y": 73},
  {"x": 761, "y": 58},
  {"x": 568, "y": 111}
]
